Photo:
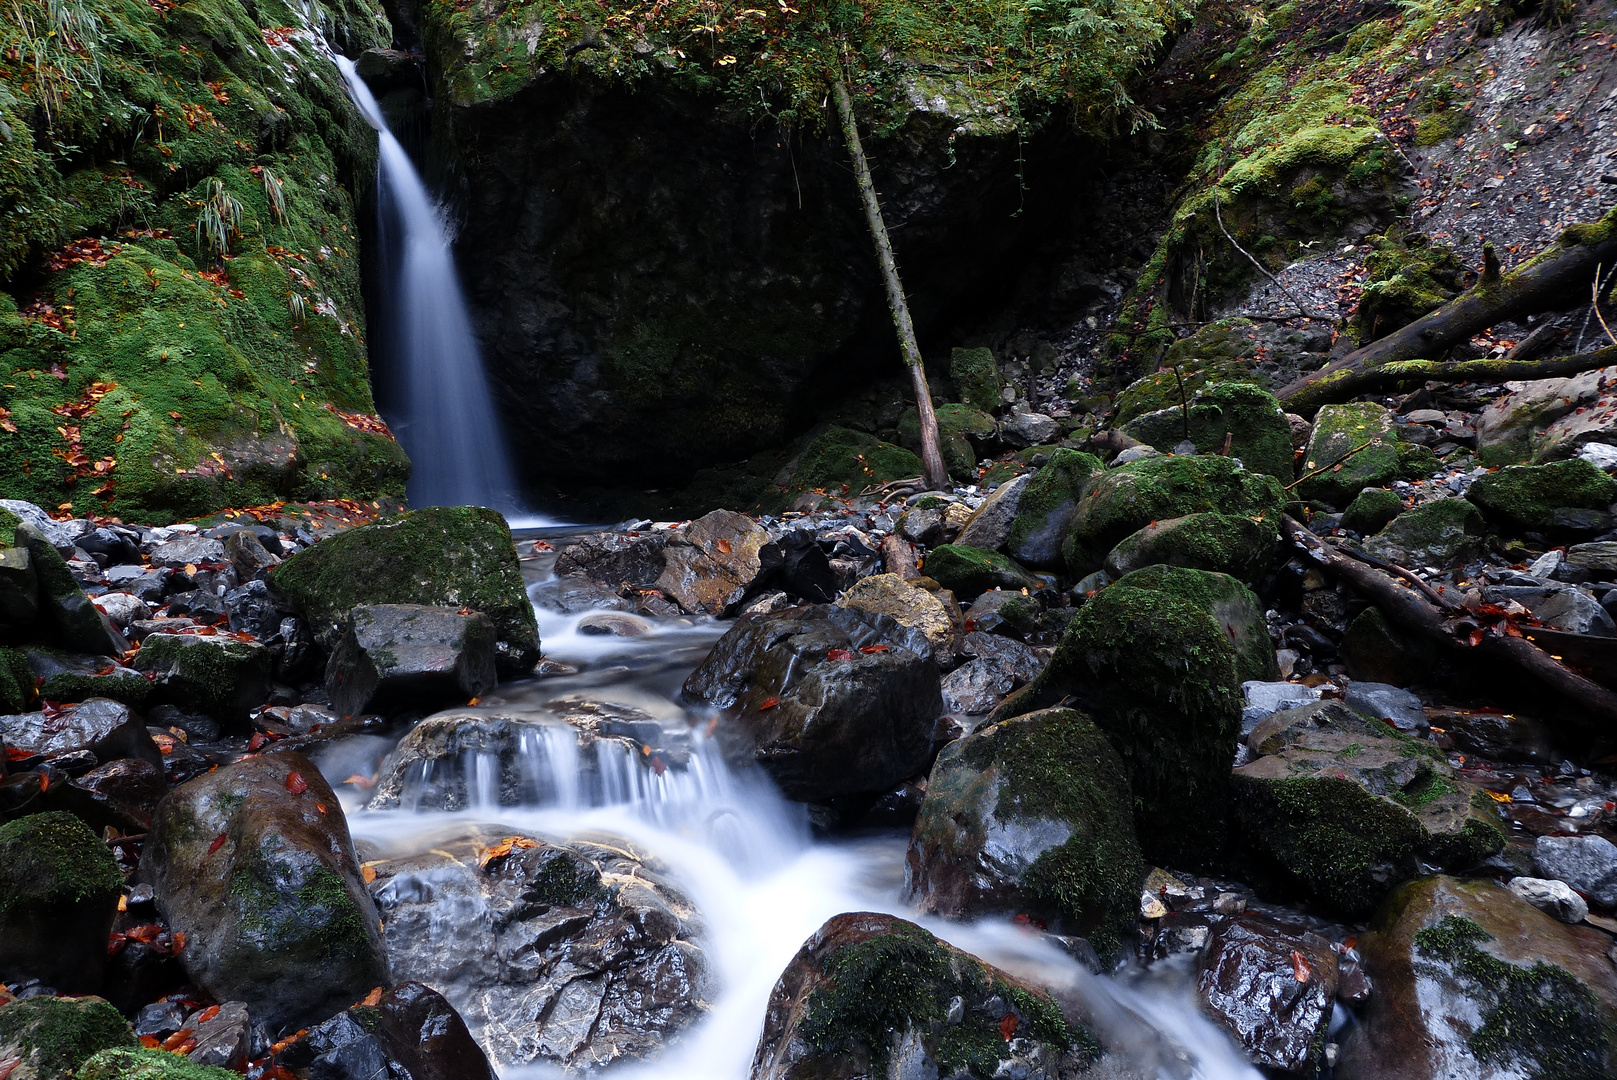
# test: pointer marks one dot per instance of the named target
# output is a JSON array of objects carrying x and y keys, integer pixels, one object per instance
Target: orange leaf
[
  {"x": 373, "y": 998},
  {"x": 8, "y": 1066},
  {"x": 149, "y": 1042},
  {"x": 658, "y": 766},
  {"x": 1476, "y": 637},
  {"x": 839, "y": 654},
  {"x": 361, "y": 781},
  {"x": 149, "y": 932},
  {"x": 218, "y": 842},
  {"x": 1299, "y": 967},
  {"x": 505, "y": 847},
  {"x": 1007, "y": 1026},
  {"x": 205, "y": 1015},
  {"x": 174, "y": 1041},
  {"x": 257, "y": 742},
  {"x": 769, "y": 703},
  {"x": 368, "y": 872},
  {"x": 296, "y": 784},
  {"x": 177, "y": 942},
  {"x": 867, "y": 649},
  {"x": 724, "y": 546}
]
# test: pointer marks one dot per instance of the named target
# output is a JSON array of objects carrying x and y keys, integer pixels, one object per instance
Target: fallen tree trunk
[
  {"x": 1557, "y": 278},
  {"x": 1353, "y": 382},
  {"x": 1415, "y": 612}
]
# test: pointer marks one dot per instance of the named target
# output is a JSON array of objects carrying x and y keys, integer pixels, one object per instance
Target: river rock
[
  {"x": 1236, "y": 418},
  {"x": 67, "y": 618},
  {"x": 19, "y": 592},
  {"x": 1473, "y": 981},
  {"x": 990, "y": 525},
  {"x": 574, "y": 955},
  {"x": 222, "y": 1039},
  {"x": 1343, "y": 807},
  {"x": 1273, "y": 987},
  {"x": 1242, "y": 547},
  {"x": 969, "y": 572},
  {"x": 1439, "y": 533},
  {"x": 254, "y": 863},
  {"x": 410, "y": 656},
  {"x": 615, "y": 558},
  {"x": 410, "y": 1032},
  {"x": 121, "y": 607},
  {"x": 1340, "y": 430},
  {"x": 1528, "y": 496},
  {"x": 975, "y": 687},
  {"x": 1572, "y": 610},
  {"x": 248, "y": 554},
  {"x": 1046, "y": 507},
  {"x": 1264, "y": 699},
  {"x": 872, "y": 995},
  {"x": 122, "y": 793},
  {"x": 829, "y": 700},
  {"x": 912, "y": 606},
  {"x": 457, "y": 557},
  {"x": 1594, "y": 561},
  {"x": 222, "y": 675},
  {"x": 1552, "y": 896},
  {"x": 49, "y": 1038},
  {"x": 106, "y": 728},
  {"x": 59, "y": 888},
  {"x": 1587, "y": 863},
  {"x": 1031, "y": 816},
  {"x": 67, "y": 677},
  {"x": 1394, "y": 706},
  {"x": 709, "y": 567}
]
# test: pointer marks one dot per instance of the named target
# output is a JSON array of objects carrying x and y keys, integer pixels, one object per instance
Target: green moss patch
[
  {"x": 124, "y": 1064},
  {"x": 969, "y": 571},
  {"x": 56, "y": 1035},
  {"x": 1245, "y": 419},
  {"x": 976, "y": 378},
  {"x": 53, "y": 858},
  {"x": 1527, "y": 496}
]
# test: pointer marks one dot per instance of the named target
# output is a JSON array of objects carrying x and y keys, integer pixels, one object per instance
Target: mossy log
[
  {"x": 1557, "y": 278},
  {"x": 1414, "y": 610},
  {"x": 1351, "y": 383}
]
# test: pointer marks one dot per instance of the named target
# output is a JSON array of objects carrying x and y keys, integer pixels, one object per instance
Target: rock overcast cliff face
[{"x": 183, "y": 327}]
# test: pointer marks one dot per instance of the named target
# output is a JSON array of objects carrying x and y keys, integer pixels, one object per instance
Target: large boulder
[
  {"x": 1528, "y": 496},
  {"x": 829, "y": 700},
  {"x": 1130, "y": 497},
  {"x": 408, "y": 1032},
  {"x": 1344, "y": 808},
  {"x": 575, "y": 955},
  {"x": 1242, "y": 547},
  {"x": 1031, "y": 816},
  {"x": 1547, "y": 419},
  {"x": 1471, "y": 980},
  {"x": 990, "y": 524},
  {"x": 1234, "y": 607},
  {"x": 410, "y": 655},
  {"x": 968, "y": 571},
  {"x": 59, "y": 889},
  {"x": 1046, "y": 506},
  {"x": 253, "y": 862},
  {"x": 1362, "y": 438},
  {"x": 909, "y": 605},
  {"x": 66, "y": 677},
  {"x": 872, "y": 995},
  {"x": 1274, "y": 987},
  {"x": 105, "y": 728},
  {"x": 66, "y": 617},
  {"x": 224, "y": 676},
  {"x": 619, "y": 559},
  {"x": 451, "y": 556},
  {"x": 49, "y": 1038},
  {"x": 1237, "y": 418},
  {"x": 710, "y": 566},
  {"x": 1439, "y": 533}
]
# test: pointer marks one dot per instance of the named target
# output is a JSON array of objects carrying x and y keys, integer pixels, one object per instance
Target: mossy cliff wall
[{"x": 182, "y": 325}]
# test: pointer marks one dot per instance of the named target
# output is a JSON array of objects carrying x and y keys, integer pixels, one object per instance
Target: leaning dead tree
[
  {"x": 1557, "y": 279},
  {"x": 935, "y": 475}
]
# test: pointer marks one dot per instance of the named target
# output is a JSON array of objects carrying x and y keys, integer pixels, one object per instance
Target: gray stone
[
  {"x": 106, "y": 728},
  {"x": 222, "y": 1040},
  {"x": 1380, "y": 701},
  {"x": 248, "y": 554},
  {"x": 1545, "y": 566},
  {"x": 1551, "y": 895},
  {"x": 410, "y": 655},
  {"x": 185, "y": 551},
  {"x": 62, "y": 535},
  {"x": 122, "y": 608},
  {"x": 1249, "y": 979},
  {"x": 1029, "y": 429},
  {"x": 710, "y": 566},
  {"x": 1571, "y": 610},
  {"x": 1587, "y": 863},
  {"x": 1600, "y": 455},
  {"x": 975, "y": 687},
  {"x": 1596, "y": 561},
  {"x": 615, "y": 558},
  {"x": 990, "y": 526},
  {"x": 1264, "y": 699},
  {"x": 19, "y": 590},
  {"x": 221, "y": 676}
]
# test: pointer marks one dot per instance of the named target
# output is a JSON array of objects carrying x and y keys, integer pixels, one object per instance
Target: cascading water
[
  {"x": 742, "y": 854},
  {"x": 447, "y": 421}
]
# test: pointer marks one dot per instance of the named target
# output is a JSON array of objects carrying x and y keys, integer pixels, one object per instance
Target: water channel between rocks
[{"x": 745, "y": 858}]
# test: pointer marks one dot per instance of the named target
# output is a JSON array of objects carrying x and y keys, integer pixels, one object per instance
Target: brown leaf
[
  {"x": 361, "y": 781},
  {"x": 1007, "y": 1026},
  {"x": 769, "y": 703},
  {"x": 724, "y": 546},
  {"x": 296, "y": 784},
  {"x": 1299, "y": 967},
  {"x": 373, "y": 998},
  {"x": 839, "y": 654},
  {"x": 867, "y": 649}
]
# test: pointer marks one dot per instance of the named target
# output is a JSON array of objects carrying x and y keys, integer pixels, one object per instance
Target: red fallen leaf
[
  {"x": 176, "y": 944},
  {"x": 769, "y": 703},
  {"x": 361, "y": 781},
  {"x": 116, "y": 943},
  {"x": 540, "y": 545},
  {"x": 658, "y": 766},
  {"x": 8, "y": 1066},
  {"x": 44, "y": 781},
  {"x": 724, "y": 546},
  {"x": 1476, "y": 637},
  {"x": 873, "y": 648},
  {"x": 257, "y": 741},
  {"x": 1299, "y": 967},
  {"x": 218, "y": 842},
  {"x": 1512, "y": 630},
  {"x": 504, "y": 848},
  {"x": 149, "y": 932},
  {"x": 150, "y": 1042},
  {"x": 296, "y": 784},
  {"x": 205, "y": 1015},
  {"x": 1007, "y": 1026},
  {"x": 15, "y": 753},
  {"x": 839, "y": 654},
  {"x": 971, "y": 626}
]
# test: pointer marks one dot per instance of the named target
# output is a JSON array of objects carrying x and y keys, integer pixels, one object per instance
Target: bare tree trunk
[{"x": 931, "y": 455}]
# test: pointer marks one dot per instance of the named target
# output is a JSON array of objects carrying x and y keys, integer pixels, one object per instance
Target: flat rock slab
[{"x": 410, "y": 656}]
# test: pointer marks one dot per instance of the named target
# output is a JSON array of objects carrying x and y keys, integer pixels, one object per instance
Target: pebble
[{"x": 1551, "y": 896}]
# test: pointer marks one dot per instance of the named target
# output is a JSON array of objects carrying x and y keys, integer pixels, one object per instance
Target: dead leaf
[
  {"x": 1299, "y": 967},
  {"x": 868, "y": 649},
  {"x": 769, "y": 703},
  {"x": 296, "y": 784},
  {"x": 368, "y": 872},
  {"x": 361, "y": 781},
  {"x": 1007, "y": 1026},
  {"x": 372, "y": 999},
  {"x": 218, "y": 842},
  {"x": 839, "y": 654},
  {"x": 724, "y": 546},
  {"x": 505, "y": 847}
]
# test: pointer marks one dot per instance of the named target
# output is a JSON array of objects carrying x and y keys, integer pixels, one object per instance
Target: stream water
[{"x": 748, "y": 860}]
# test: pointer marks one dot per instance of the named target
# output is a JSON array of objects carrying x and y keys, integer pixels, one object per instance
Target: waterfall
[{"x": 446, "y": 421}]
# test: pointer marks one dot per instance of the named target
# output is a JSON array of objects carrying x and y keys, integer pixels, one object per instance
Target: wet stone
[
  {"x": 410, "y": 656},
  {"x": 1273, "y": 987},
  {"x": 1587, "y": 863}
]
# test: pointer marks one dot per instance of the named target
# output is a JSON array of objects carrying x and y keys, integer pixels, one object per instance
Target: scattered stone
[
  {"x": 1587, "y": 863},
  {"x": 990, "y": 526},
  {"x": 222, "y": 1039},
  {"x": 68, "y": 677},
  {"x": 106, "y": 728},
  {"x": 1341, "y": 429},
  {"x": 1371, "y": 511},
  {"x": 1380, "y": 701},
  {"x": 411, "y": 1031},
  {"x": 615, "y": 624},
  {"x": 410, "y": 655},
  {"x": 1552, "y": 896},
  {"x": 615, "y": 558},
  {"x": 1439, "y": 533},
  {"x": 121, "y": 607},
  {"x": 59, "y": 890},
  {"x": 1273, "y": 987},
  {"x": 188, "y": 551},
  {"x": 1595, "y": 561},
  {"x": 1572, "y": 610}
]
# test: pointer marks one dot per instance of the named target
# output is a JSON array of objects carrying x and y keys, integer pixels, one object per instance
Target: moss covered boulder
[
  {"x": 1245, "y": 417},
  {"x": 975, "y": 375},
  {"x": 869, "y": 994},
  {"x": 959, "y": 428},
  {"x": 48, "y": 1038},
  {"x": 1132, "y": 496},
  {"x": 1242, "y": 547},
  {"x": 1438, "y": 533},
  {"x": 1409, "y": 276},
  {"x": 968, "y": 572},
  {"x": 1234, "y": 607},
  {"x": 1221, "y": 352},
  {"x": 59, "y": 889},
  {"x": 1160, "y": 678},
  {"x": 1345, "y": 808},
  {"x": 1371, "y": 510},
  {"x": 1472, "y": 980},
  {"x": 66, "y": 617},
  {"x": 449, "y": 556},
  {"x": 1031, "y": 816},
  {"x": 1334, "y": 446},
  {"x": 841, "y": 462},
  {"x": 126, "y": 1064},
  {"x": 217, "y": 676},
  {"x": 254, "y": 863},
  {"x": 1526, "y": 497},
  {"x": 1046, "y": 507}
]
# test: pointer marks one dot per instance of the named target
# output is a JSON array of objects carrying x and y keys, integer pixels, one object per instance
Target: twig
[
  {"x": 1594, "y": 305},
  {"x": 1393, "y": 568},
  {"x": 1184, "y": 404},
  {"x": 1332, "y": 465},
  {"x": 1302, "y": 313},
  {"x": 890, "y": 484}
]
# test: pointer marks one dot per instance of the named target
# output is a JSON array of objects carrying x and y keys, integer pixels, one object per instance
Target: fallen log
[
  {"x": 1556, "y": 279},
  {"x": 1353, "y": 382},
  {"x": 1413, "y": 611}
]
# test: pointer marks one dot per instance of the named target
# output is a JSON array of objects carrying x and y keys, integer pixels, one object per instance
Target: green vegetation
[
  {"x": 53, "y": 859},
  {"x": 1245, "y": 418},
  {"x": 1527, "y": 496},
  {"x": 55, "y": 1035},
  {"x": 1409, "y": 276},
  {"x": 1371, "y": 510},
  {"x": 1242, "y": 547},
  {"x": 123, "y": 1064},
  {"x": 969, "y": 571},
  {"x": 1437, "y": 533},
  {"x": 976, "y": 378},
  {"x": 1234, "y": 607}
]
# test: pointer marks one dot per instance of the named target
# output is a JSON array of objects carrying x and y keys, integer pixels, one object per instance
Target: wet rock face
[
  {"x": 410, "y": 656},
  {"x": 829, "y": 700},
  {"x": 912, "y": 606},
  {"x": 254, "y": 863},
  {"x": 1273, "y": 987},
  {"x": 219, "y": 676},
  {"x": 408, "y": 1033},
  {"x": 872, "y": 995},
  {"x": 576, "y": 955},
  {"x": 1471, "y": 980},
  {"x": 1031, "y": 816},
  {"x": 710, "y": 566},
  {"x": 105, "y": 728},
  {"x": 59, "y": 889},
  {"x": 615, "y": 558}
]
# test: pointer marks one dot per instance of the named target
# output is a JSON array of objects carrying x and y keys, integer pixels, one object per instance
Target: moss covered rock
[
  {"x": 1377, "y": 651},
  {"x": 968, "y": 572},
  {"x": 1223, "y": 351},
  {"x": 1371, "y": 510},
  {"x": 59, "y": 889},
  {"x": 1032, "y": 815},
  {"x": 66, "y": 616},
  {"x": 840, "y": 462},
  {"x": 1248, "y": 416},
  {"x": 1472, "y": 980},
  {"x": 976, "y": 378},
  {"x": 1527, "y": 496},
  {"x": 16, "y": 682},
  {"x": 1345, "y": 808},
  {"x": 254, "y": 863},
  {"x": 1232, "y": 605},
  {"x": 1242, "y": 547},
  {"x": 217, "y": 676},
  {"x": 451, "y": 556},
  {"x": 1046, "y": 507},
  {"x": 47, "y": 1038},
  {"x": 127, "y": 1064},
  {"x": 1334, "y": 446},
  {"x": 1130, "y": 497},
  {"x": 870, "y": 991},
  {"x": 1437, "y": 533},
  {"x": 958, "y": 427},
  {"x": 1409, "y": 276}
]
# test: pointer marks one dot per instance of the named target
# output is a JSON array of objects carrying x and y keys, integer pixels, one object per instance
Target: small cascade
[{"x": 447, "y": 421}]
